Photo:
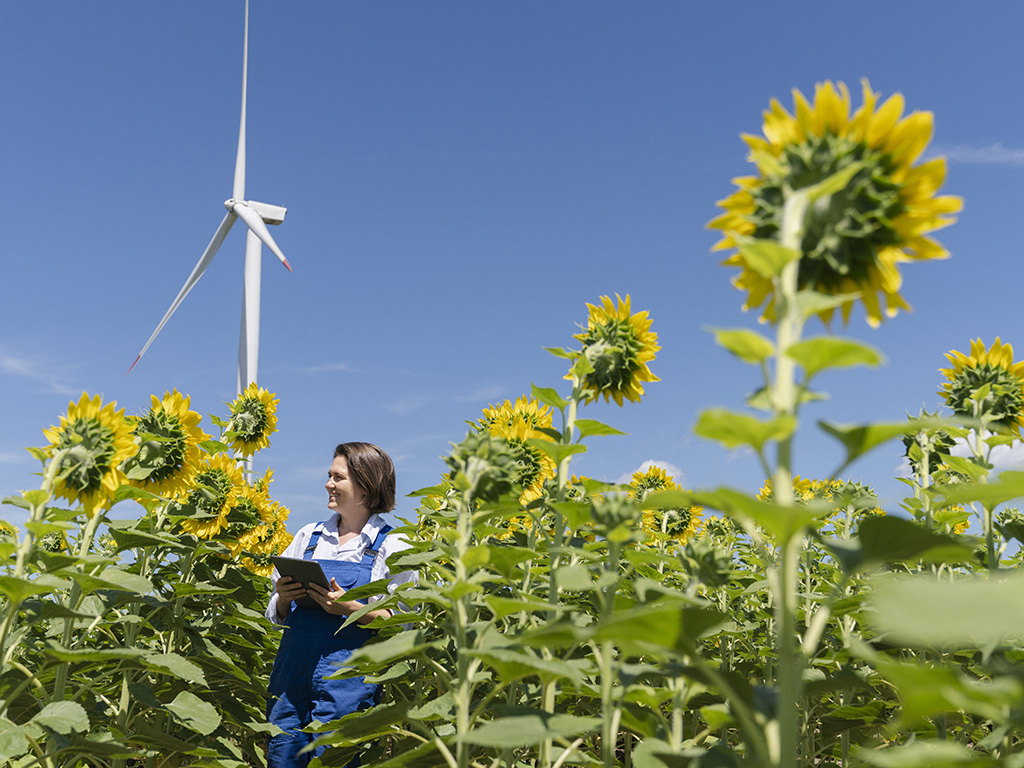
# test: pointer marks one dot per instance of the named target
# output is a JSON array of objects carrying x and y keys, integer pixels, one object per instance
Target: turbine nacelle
[{"x": 271, "y": 214}]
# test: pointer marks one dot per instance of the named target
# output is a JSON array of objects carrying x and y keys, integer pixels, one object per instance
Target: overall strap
[
  {"x": 313, "y": 540},
  {"x": 371, "y": 552}
]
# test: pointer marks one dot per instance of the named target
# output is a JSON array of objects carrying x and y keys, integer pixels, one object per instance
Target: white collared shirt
[{"x": 328, "y": 548}]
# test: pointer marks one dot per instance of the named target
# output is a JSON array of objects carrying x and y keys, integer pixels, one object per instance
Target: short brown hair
[{"x": 372, "y": 470}]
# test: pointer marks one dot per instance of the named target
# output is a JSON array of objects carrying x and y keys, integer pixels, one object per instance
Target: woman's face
[{"x": 342, "y": 492}]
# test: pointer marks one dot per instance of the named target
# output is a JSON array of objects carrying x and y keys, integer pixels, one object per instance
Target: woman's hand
[
  {"x": 288, "y": 590},
  {"x": 330, "y": 600}
]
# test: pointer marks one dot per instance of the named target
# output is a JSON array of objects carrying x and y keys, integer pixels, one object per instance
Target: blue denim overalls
[{"x": 311, "y": 647}]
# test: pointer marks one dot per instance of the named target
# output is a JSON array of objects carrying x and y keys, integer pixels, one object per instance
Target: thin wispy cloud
[
  {"x": 408, "y": 404},
  {"x": 52, "y": 377},
  {"x": 993, "y": 154},
  {"x": 487, "y": 393}
]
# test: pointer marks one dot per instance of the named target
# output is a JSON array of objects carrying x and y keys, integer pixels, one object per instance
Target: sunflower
[
  {"x": 679, "y": 524},
  {"x": 654, "y": 478},
  {"x": 853, "y": 240},
  {"x": 6, "y": 529},
  {"x": 1004, "y": 403},
  {"x": 516, "y": 423},
  {"x": 91, "y": 443},
  {"x": 217, "y": 483},
  {"x": 618, "y": 345},
  {"x": 167, "y": 441},
  {"x": 253, "y": 420}
]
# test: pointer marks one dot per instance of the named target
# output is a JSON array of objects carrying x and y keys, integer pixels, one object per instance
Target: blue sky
[{"x": 461, "y": 179}]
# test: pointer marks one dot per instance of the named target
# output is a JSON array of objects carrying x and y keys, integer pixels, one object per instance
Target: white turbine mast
[{"x": 256, "y": 217}]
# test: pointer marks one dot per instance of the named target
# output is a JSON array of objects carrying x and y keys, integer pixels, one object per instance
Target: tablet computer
[{"x": 305, "y": 571}]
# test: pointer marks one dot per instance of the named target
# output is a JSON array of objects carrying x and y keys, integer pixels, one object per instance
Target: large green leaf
[
  {"x": 970, "y": 612},
  {"x": 557, "y": 451},
  {"x": 889, "y": 539},
  {"x": 111, "y": 578},
  {"x": 173, "y": 664},
  {"x": 549, "y": 396},
  {"x": 12, "y": 740},
  {"x": 766, "y": 257},
  {"x": 529, "y": 728},
  {"x": 1009, "y": 486},
  {"x": 926, "y": 754},
  {"x": 17, "y": 589},
  {"x": 749, "y": 346},
  {"x": 858, "y": 439},
  {"x": 64, "y": 717},
  {"x": 819, "y": 354},
  {"x": 782, "y": 523},
  {"x": 588, "y": 427},
  {"x": 514, "y": 664},
  {"x": 194, "y": 713},
  {"x": 733, "y": 429},
  {"x": 927, "y": 690}
]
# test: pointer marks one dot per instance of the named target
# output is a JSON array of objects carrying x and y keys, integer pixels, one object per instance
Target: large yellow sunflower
[
  {"x": 253, "y": 420},
  {"x": 167, "y": 441},
  {"x": 217, "y": 483},
  {"x": 854, "y": 240},
  {"x": 994, "y": 366},
  {"x": 91, "y": 443},
  {"x": 517, "y": 423},
  {"x": 619, "y": 345}
]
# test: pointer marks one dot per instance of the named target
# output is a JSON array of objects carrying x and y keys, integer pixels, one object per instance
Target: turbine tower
[{"x": 256, "y": 217}]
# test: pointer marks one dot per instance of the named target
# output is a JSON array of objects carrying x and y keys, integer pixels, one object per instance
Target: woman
[{"x": 351, "y": 546}]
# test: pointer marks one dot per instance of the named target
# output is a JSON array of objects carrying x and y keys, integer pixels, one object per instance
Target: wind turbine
[{"x": 256, "y": 217}]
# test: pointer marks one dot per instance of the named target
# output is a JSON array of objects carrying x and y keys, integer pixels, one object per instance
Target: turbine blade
[
  {"x": 255, "y": 223},
  {"x": 197, "y": 272},
  {"x": 238, "y": 190}
]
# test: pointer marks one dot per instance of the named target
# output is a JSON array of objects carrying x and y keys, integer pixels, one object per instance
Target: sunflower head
[
  {"x": 167, "y": 438},
  {"x": 854, "y": 239},
  {"x": 89, "y": 445},
  {"x": 618, "y": 346},
  {"x": 483, "y": 466},
  {"x": 215, "y": 489},
  {"x": 678, "y": 525},
  {"x": 253, "y": 420},
  {"x": 986, "y": 384},
  {"x": 517, "y": 423},
  {"x": 934, "y": 442},
  {"x": 654, "y": 478}
]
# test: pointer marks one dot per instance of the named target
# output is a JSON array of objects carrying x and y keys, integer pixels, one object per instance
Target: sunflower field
[{"x": 562, "y": 621}]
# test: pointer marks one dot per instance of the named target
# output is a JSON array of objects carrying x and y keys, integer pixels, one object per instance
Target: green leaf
[
  {"x": 576, "y": 513},
  {"x": 549, "y": 396},
  {"x": 557, "y": 451},
  {"x": 12, "y": 740},
  {"x": 17, "y": 589},
  {"x": 1010, "y": 486},
  {"x": 733, "y": 429},
  {"x": 766, "y": 257},
  {"x": 588, "y": 427},
  {"x": 514, "y": 665},
  {"x": 782, "y": 523},
  {"x": 64, "y": 717},
  {"x": 818, "y": 354},
  {"x": 529, "y": 728},
  {"x": 194, "y": 713},
  {"x": 111, "y": 578},
  {"x": 930, "y": 690},
  {"x": 886, "y": 539},
  {"x": 926, "y": 754},
  {"x": 809, "y": 302},
  {"x": 858, "y": 439},
  {"x": 969, "y": 612},
  {"x": 659, "y": 627},
  {"x": 506, "y": 606},
  {"x": 173, "y": 664},
  {"x": 749, "y": 346}
]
